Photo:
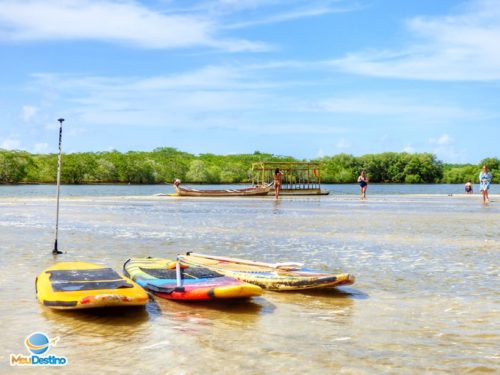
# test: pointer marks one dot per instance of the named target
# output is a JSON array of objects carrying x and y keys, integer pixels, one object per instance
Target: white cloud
[
  {"x": 409, "y": 149},
  {"x": 168, "y": 24},
  {"x": 290, "y": 15},
  {"x": 444, "y": 147},
  {"x": 112, "y": 21},
  {"x": 28, "y": 113},
  {"x": 230, "y": 97},
  {"x": 298, "y": 127},
  {"x": 343, "y": 144},
  {"x": 450, "y": 154},
  {"x": 443, "y": 140},
  {"x": 51, "y": 125},
  {"x": 41, "y": 148},
  {"x": 190, "y": 99},
  {"x": 384, "y": 138},
  {"x": 384, "y": 104},
  {"x": 452, "y": 47},
  {"x": 10, "y": 144}
]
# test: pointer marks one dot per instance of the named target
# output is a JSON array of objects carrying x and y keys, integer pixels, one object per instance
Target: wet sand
[{"x": 426, "y": 298}]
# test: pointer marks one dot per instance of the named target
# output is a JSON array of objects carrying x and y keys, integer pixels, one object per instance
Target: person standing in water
[
  {"x": 363, "y": 183},
  {"x": 484, "y": 183},
  {"x": 468, "y": 187},
  {"x": 277, "y": 182}
]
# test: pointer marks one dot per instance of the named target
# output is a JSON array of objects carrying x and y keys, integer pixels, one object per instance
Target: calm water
[
  {"x": 147, "y": 190},
  {"x": 426, "y": 298}
]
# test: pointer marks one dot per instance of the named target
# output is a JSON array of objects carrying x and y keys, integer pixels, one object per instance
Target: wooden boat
[
  {"x": 245, "y": 192},
  {"x": 272, "y": 276}
]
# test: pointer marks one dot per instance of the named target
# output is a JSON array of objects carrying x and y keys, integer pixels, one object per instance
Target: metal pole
[
  {"x": 56, "y": 251},
  {"x": 178, "y": 273}
]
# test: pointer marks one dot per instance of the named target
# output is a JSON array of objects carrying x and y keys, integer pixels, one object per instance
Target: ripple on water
[{"x": 425, "y": 299}]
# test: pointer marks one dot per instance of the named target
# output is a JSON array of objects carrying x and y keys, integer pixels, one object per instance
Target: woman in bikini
[
  {"x": 277, "y": 182},
  {"x": 363, "y": 183}
]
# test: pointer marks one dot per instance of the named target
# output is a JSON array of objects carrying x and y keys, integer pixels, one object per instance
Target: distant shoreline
[
  {"x": 339, "y": 197},
  {"x": 164, "y": 164},
  {"x": 222, "y": 183}
]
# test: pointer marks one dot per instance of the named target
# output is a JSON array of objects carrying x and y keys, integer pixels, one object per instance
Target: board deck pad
[
  {"x": 96, "y": 274},
  {"x": 186, "y": 273},
  {"x": 71, "y": 280},
  {"x": 92, "y": 285}
]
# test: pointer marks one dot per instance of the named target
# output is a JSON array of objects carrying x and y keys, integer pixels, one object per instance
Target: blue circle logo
[{"x": 37, "y": 343}]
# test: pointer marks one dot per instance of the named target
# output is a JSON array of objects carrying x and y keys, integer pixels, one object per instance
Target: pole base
[{"x": 56, "y": 251}]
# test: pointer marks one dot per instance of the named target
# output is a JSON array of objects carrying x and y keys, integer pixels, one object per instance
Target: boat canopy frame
[{"x": 297, "y": 176}]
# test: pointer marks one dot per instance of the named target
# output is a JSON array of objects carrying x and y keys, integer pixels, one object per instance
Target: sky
[{"x": 302, "y": 78}]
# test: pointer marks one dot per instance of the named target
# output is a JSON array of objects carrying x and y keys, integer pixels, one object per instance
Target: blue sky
[{"x": 303, "y": 78}]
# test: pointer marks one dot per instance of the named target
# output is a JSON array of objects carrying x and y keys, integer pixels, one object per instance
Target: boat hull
[
  {"x": 248, "y": 192},
  {"x": 303, "y": 192}
]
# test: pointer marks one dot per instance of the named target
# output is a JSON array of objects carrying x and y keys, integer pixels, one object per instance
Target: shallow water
[
  {"x": 148, "y": 190},
  {"x": 426, "y": 299}
]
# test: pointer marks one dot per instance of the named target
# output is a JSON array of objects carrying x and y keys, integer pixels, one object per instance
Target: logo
[{"x": 38, "y": 344}]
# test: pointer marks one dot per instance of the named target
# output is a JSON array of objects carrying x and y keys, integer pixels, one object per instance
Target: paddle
[
  {"x": 288, "y": 266},
  {"x": 56, "y": 251}
]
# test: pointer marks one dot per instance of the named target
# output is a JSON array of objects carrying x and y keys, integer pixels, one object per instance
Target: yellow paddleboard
[
  {"x": 272, "y": 276},
  {"x": 80, "y": 285}
]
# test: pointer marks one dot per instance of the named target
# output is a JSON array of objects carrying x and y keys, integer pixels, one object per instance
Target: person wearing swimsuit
[
  {"x": 484, "y": 183},
  {"x": 277, "y": 182},
  {"x": 363, "y": 183},
  {"x": 468, "y": 187}
]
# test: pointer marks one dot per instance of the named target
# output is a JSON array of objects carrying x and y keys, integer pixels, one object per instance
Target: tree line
[{"x": 163, "y": 165}]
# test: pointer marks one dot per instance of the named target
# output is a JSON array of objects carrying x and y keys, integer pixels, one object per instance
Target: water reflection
[
  {"x": 112, "y": 316},
  {"x": 338, "y": 292},
  {"x": 215, "y": 309},
  {"x": 277, "y": 210}
]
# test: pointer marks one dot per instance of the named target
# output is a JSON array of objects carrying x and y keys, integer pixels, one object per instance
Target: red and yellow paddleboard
[
  {"x": 159, "y": 276},
  {"x": 80, "y": 285}
]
